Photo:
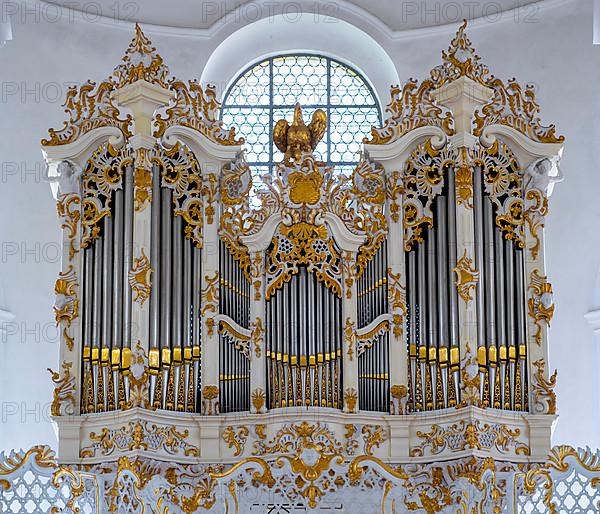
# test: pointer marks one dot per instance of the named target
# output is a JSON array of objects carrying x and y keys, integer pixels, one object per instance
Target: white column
[
  {"x": 257, "y": 318},
  {"x": 143, "y": 98},
  {"x": 349, "y": 347},
  {"x": 462, "y": 97}
]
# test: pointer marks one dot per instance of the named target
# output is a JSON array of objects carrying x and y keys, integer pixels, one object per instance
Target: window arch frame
[{"x": 271, "y": 163}]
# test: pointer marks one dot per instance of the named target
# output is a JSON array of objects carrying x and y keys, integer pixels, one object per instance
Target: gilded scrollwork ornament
[
  {"x": 540, "y": 305},
  {"x": 66, "y": 305},
  {"x": 68, "y": 207},
  {"x": 210, "y": 400},
  {"x": 236, "y": 437},
  {"x": 63, "y": 396},
  {"x": 139, "y": 435},
  {"x": 466, "y": 277},
  {"x": 140, "y": 278},
  {"x": 544, "y": 397}
]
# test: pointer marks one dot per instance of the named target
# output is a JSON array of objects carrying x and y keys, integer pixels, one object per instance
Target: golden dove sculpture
[{"x": 298, "y": 138}]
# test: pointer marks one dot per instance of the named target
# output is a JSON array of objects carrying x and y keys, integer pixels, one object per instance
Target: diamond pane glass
[{"x": 268, "y": 91}]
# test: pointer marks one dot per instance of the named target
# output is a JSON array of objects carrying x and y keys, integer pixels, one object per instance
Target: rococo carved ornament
[
  {"x": 140, "y": 278},
  {"x": 63, "y": 402},
  {"x": 466, "y": 277},
  {"x": 544, "y": 397},
  {"x": 471, "y": 435},
  {"x": 139, "y": 435},
  {"x": 540, "y": 306},
  {"x": 412, "y": 105}
]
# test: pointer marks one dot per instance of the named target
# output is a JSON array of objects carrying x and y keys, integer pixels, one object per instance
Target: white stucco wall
[{"x": 554, "y": 51}]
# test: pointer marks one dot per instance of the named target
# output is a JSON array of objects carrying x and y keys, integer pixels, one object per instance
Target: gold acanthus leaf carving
[
  {"x": 258, "y": 333},
  {"x": 350, "y": 399},
  {"x": 139, "y": 435},
  {"x": 63, "y": 396},
  {"x": 399, "y": 394},
  {"x": 258, "y": 400},
  {"x": 142, "y": 180},
  {"x": 467, "y": 435},
  {"x": 140, "y": 278},
  {"x": 210, "y": 294},
  {"x": 210, "y": 400},
  {"x": 544, "y": 396},
  {"x": 66, "y": 306},
  {"x": 236, "y": 437},
  {"x": 373, "y": 437},
  {"x": 464, "y": 181},
  {"x": 350, "y": 338},
  {"x": 466, "y": 277},
  {"x": 540, "y": 306},
  {"x": 141, "y": 62},
  {"x": 68, "y": 207}
]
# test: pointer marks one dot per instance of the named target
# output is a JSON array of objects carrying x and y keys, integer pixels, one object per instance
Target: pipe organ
[{"x": 408, "y": 302}]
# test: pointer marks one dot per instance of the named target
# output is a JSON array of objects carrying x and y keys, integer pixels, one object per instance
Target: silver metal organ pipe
[
  {"x": 421, "y": 294},
  {"x": 155, "y": 297},
  {"x": 412, "y": 296},
  {"x": 187, "y": 292},
  {"x": 442, "y": 259},
  {"x": 500, "y": 287},
  {"x": 432, "y": 285},
  {"x": 97, "y": 313},
  {"x": 118, "y": 265},
  {"x": 489, "y": 274},
  {"x": 165, "y": 276},
  {"x": 128, "y": 255},
  {"x": 479, "y": 260},
  {"x": 177, "y": 282},
  {"x": 88, "y": 295},
  {"x": 520, "y": 297},
  {"x": 510, "y": 296},
  {"x": 107, "y": 279},
  {"x": 452, "y": 259}
]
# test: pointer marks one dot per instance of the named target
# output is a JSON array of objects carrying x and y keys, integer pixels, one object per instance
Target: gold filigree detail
[
  {"x": 140, "y": 278},
  {"x": 236, "y": 437},
  {"x": 210, "y": 294},
  {"x": 466, "y": 277},
  {"x": 540, "y": 306},
  {"x": 464, "y": 181},
  {"x": 350, "y": 337},
  {"x": 350, "y": 399},
  {"x": 197, "y": 108},
  {"x": 309, "y": 450},
  {"x": 470, "y": 435},
  {"x": 258, "y": 400},
  {"x": 89, "y": 106},
  {"x": 373, "y": 437},
  {"x": 139, "y": 435},
  {"x": 209, "y": 192},
  {"x": 399, "y": 394},
  {"x": 141, "y": 62},
  {"x": 63, "y": 396},
  {"x": 210, "y": 400},
  {"x": 258, "y": 333},
  {"x": 544, "y": 396},
  {"x": 68, "y": 207},
  {"x": 66, "y": 305},
  {"x": 142, "y": 180}
]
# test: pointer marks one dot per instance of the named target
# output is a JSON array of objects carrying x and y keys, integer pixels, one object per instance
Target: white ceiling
[{"x": 395, "y": 15}]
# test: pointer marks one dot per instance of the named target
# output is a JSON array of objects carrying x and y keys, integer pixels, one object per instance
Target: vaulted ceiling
[{"x": 395, "y": 15}]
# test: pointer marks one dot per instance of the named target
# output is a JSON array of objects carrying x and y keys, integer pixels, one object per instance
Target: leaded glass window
[{"x": 267, "y": 91}]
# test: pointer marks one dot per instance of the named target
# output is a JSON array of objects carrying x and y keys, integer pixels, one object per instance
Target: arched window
[{"x": 267, "y": 91}]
